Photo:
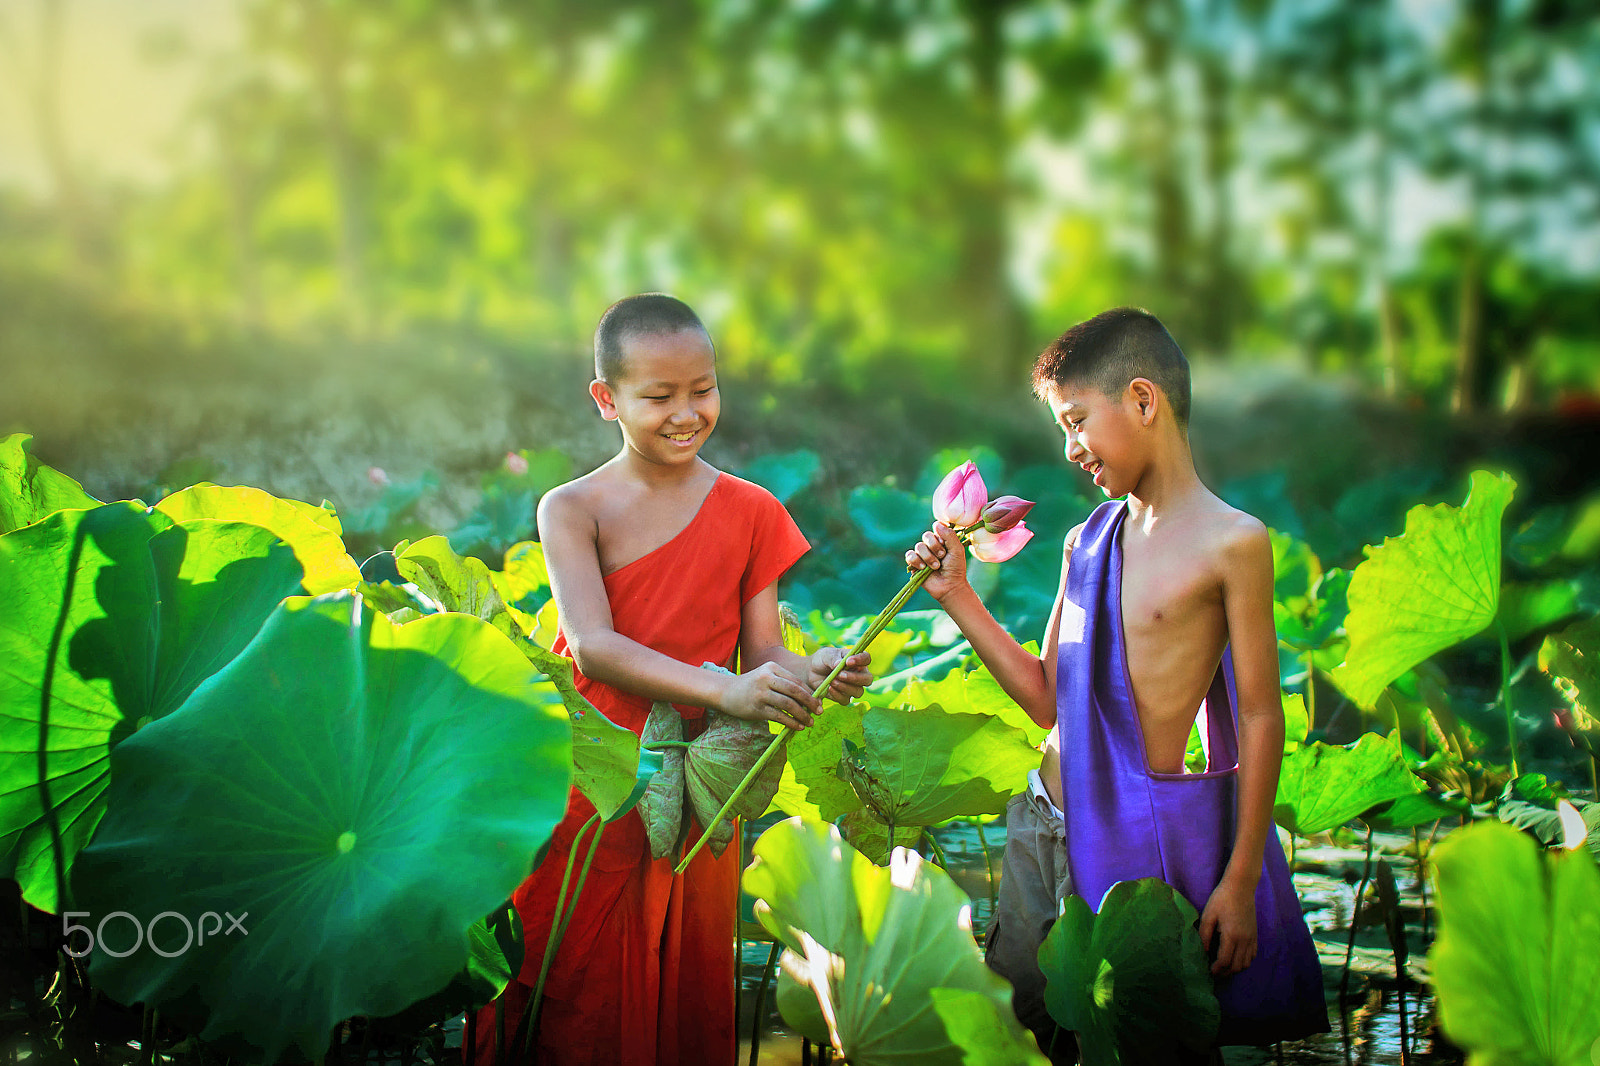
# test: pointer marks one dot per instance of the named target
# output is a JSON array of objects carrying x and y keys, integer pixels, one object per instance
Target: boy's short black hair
[
  {"x": 1110, "y": 350},
  {"x": 635, "y": 316}
]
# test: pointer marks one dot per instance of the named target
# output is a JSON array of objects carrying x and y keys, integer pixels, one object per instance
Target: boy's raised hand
[
  {"x": 852, "y": 680},
  {"x": 770, "y": 693},
  {"x": 941, "y": 551}
]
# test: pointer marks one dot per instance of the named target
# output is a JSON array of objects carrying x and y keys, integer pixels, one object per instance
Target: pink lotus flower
[
  {"x": 516, "y": 463},
  {"x": 959, "y": 499},
  {"x": 1005, "y": 512},
  {"x": 376, "y": 475},
  {"x": 991, "y": 547}
]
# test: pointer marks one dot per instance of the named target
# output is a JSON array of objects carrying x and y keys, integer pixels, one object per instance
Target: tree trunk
[
  {"x": 325, "y": 50},
  {"x": 995, "y": 327}
]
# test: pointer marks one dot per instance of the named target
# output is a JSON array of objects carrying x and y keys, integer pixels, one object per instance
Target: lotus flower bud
[
  {"x": 516, "y": 463},
  {"x": 1005, "y": 512},
  {"x": 959, "y": 499},
  {"x": 998, "y": 547},
  {"x": 376, "y": 475}
]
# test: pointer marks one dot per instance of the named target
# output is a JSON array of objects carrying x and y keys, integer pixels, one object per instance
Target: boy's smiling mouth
[{"x": 683, "y": 438}]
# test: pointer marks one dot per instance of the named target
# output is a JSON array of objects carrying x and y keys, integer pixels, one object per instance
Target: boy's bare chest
[{"x": 1169, "y": 596}]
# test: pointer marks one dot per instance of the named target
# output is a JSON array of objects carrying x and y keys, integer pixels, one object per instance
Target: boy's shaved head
[
  {"x": 1110, "y": 350},
  {"x": 635, "y": 316}
]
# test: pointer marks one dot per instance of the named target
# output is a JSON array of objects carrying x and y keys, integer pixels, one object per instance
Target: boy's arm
[
  {"x": 761, "y": 641},
  {"x": 1246, "y": 563},
  {"x": 569, "y": 533},
  {"x": 1021, "y": 673}
]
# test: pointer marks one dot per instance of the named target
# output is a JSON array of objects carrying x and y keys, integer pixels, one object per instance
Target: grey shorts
[{"x": 1033, "y": 881}]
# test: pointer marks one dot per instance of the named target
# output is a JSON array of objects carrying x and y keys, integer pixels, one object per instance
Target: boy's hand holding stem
[{"x": 964, "y": 516}]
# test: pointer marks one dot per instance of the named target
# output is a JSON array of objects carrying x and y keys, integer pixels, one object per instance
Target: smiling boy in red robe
[{"x": 658, "y": 563}]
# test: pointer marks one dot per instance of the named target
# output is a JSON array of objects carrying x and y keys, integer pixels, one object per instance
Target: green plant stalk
[
  {"x": 988, "y": 865},
  {"x": 1350, "y": 945},
  {"x": 879, "y": 624},
  {"x": 1311, "y": 692},
  {"x": 933, "y": 846},
  {"x": 1505, "y": 693},
  {"x": 761, "y": 994},
  {"x": 559, "y": 920}
]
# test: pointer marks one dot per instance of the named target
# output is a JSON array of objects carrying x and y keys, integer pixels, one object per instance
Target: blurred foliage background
[{"x": 285, "y": 241}]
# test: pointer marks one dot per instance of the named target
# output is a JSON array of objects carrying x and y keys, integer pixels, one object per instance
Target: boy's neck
[
  {"x": 660, "y": 476},
  {"x": 1170, "y": 483}
]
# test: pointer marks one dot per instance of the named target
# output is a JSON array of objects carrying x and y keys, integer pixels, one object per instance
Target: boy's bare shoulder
[
  {"x": 1071, "y": 540},
  {"x": 1232, "y": 537},
  {"x": 578, "y": 502}
]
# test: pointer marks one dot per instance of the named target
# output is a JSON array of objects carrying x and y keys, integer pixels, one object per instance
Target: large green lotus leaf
[
  {"x": 875, "y": 942},
  {"x": 714, "y": 764},
  {"x": 605, "y": 756},
  {"x": 363, "y": 792},
  {"x": 811, "y": 785},
  {"x": 1517, "y": 962},
  {"x": 312, "y": 532},
  {"x": 661, "y": 805},
  {"x": 457, "y": 583},
  {"x": 523, "y": 583},
  {"x": 1325, "y": 785},
  {"x": 971, "y": 693},
  {"x": 1103, "y": 972},
  {"x": 109, "y": 619},
  {"x": 29, "y": 490},
  {"x": 922, "y": 767},
  {"x": 1421, "y": 592},
  {"x": 797, "y": 1003}
]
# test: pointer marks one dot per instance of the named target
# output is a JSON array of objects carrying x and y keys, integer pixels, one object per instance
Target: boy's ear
[
  {"x": 1144, "y": 393},
  {"x": 603, "y": 399}
]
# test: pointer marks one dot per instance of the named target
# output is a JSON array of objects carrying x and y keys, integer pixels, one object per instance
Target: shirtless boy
[
  {"x": 1195, "y": 579},
  {"x": 658, "y": 563}
]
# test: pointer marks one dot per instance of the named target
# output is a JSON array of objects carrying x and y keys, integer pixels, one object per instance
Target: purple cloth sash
[{"x": 1125, "y": 822}]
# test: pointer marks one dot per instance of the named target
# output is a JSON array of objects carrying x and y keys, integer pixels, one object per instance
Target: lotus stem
[
  {"x": 988, "y": 866},
  {"x": 1505, "y": 694},
  {"x": 879, "y": 624},
  {"x": 761, "y": 994},
  {"x": 933, "y": 846},
  {"x": 559, "y": 920},
  {"x": 1350, "y": 945}
]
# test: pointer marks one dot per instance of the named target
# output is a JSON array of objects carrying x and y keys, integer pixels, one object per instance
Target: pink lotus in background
[
  {"x": 990, "y": 547},
  {"x": 376, "y": 475},
  {"x": 1005, "y": 512},
  {"x": 516, "y": 463},
  {"x": 959, "y": 499}
]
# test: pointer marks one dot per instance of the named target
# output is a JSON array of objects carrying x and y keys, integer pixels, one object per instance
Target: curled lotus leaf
[
  {"x": 1421, "y": 592},
  {"x": 29, "y": 490},
  {"x": 312, "y": 533},
  {"x": 661, "y": 806},
  {"x": 714, "y": 764}
]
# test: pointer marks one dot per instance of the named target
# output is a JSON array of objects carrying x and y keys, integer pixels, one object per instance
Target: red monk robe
[{"x": 645, "y": 975}]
